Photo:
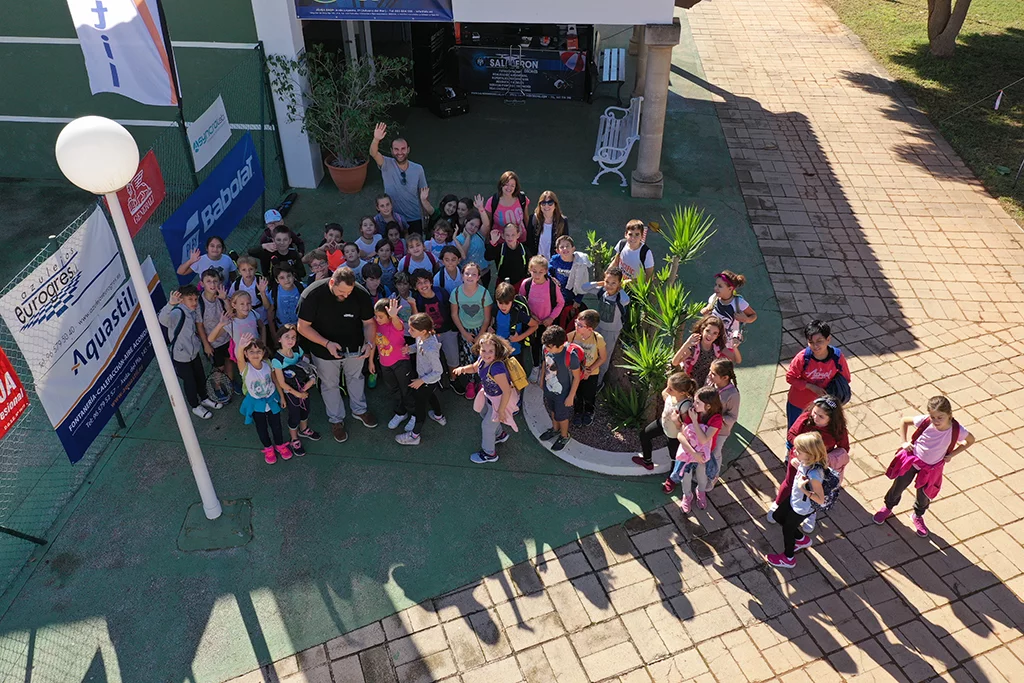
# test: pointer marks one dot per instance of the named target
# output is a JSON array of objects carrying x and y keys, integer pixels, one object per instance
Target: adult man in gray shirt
[{"x": 403, "y": 179}]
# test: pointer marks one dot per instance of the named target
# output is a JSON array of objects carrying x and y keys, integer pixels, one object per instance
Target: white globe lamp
[{"x": 97, "y": 154}]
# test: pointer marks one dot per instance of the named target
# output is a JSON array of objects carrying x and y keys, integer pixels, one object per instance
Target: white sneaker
[
  {"x": 201, "y": 412},
  {"x": 807, "y": 526},
  {"x": 534, "y": 375},
  {"x": 439, "y": 419},
  {"x": 412, "y": 424},
  {"x": 771, "y": 510},
  {"x": 397, "y": 420},
  {"x": 211, "y": 404}
]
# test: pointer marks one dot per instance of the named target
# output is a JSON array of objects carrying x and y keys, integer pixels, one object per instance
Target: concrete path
[{"x": 867, "y": 219}]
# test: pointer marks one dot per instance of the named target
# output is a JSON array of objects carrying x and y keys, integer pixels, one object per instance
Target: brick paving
[{"x": 868, "y": 219}]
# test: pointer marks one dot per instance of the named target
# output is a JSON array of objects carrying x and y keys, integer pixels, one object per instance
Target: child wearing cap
[{"x": 272, "y": 219}]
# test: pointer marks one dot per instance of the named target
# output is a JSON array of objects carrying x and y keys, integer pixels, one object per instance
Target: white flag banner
[
  {"x": 209, "y": 133},
  {"x": 123, "y": 45},
  {"x": 47, "y": 311}
]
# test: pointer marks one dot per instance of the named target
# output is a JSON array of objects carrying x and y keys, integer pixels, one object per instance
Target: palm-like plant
[
  {"x": 600, "y": 253},
  {"x": 627, "y": 406},
  {"x": 670, "y": 310},
  {"x": 648, "y": 359},
  {"x": 687, "y": 232}
]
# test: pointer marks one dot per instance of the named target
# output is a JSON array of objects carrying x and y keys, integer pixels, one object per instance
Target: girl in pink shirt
[
  {"x": 395, "y": 366},
  {"x": 544, "y": 298}
]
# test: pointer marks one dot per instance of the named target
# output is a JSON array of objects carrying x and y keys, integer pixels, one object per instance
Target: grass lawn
[{"x": 989, "y": 56}]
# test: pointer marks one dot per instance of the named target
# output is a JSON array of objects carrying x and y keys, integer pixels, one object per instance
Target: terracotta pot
[{"x": 347, "y": 180}]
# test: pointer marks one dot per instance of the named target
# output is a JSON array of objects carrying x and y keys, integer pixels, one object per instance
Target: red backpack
[{"x": 575, "y": 350}]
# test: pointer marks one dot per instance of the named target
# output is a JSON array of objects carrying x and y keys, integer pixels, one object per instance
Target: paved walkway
[{"x": 867, "y": 218}]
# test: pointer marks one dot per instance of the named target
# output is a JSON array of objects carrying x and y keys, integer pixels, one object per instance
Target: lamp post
[{"x": 100, "y": 156}]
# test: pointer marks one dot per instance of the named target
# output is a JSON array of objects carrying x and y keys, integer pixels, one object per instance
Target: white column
[
  {"x": 281, "y": 33},
  {"x": 648, "y": 181}
]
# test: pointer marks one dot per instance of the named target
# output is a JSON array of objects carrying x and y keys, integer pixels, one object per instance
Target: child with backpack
[
  {"x": 255, "y": 285},
  {"x": 395, "y": 366},
  {"x": 372, "y": 282},
  {"x": 937, "y": 439},
  {"x": 435, "y": 303},
  {"x": 284, "y": 299},
  {"x": 612, "y": 301},
  {"x": 728, "y": 306},
  {"x": 352, "y": 260},
  {"x": 403, "y": 294},
  {"x": 449, "y": 276},
  {"x": 701, "y": 425},
  {"x": 632, "y": 255},
  {"x": 263, "y": 398},
  {"x": 429, "y": 373},
  {"x": 678, "y": 397},
  {"x": 240, "y": 320},
  {"x": 332, "y": 243},
  {"x": 318, "y": 266},
  {"x": 417, "y": 257},
  {"x": 215, "y": 257},
  {"x": 722, "y": 378},
  {"x": 512, "y": 321},
  {"x": 471, "y": 314},
  {"x": 388, "y": 264},
  {"x": 181, "y": 318},
  {"x": 594, "y": 354},
  {"x": 498, "y": 398},
  {"x": 442, "y": 236},
  {"x": 393, "y": 234},
  {"x": 571, "y": 269},
  {"x": 508, "y": 254},
  {"x": 560, "y": 377},
  {"x": 472, "y": 245},
  {"x": 544, "y": 297},
  {"x": 818, "y": 370},
  {"x": 368, "y": 238},
  {"x": 294, "y": 376},
  {"x": 386, "y": 215},
  {"x": 811, "y": 461},
  {"x": 212, "y": 307}
]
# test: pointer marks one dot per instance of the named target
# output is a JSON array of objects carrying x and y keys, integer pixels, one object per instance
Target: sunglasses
[
  {"x": 404, "y": 179},
  {"x": 548, "y": 202}
]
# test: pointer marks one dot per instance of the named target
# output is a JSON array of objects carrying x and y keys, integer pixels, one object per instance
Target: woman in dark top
[{"x": 545, "y": 226}]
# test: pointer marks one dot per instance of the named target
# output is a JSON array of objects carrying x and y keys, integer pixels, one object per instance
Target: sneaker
[
  {"x": 269, "y": 456},
  {"x": 781, "y": 561},
  {"x": 807, "y": 526},
  {"x": 684, "y": 503},
  {"x": 408, "y": 439},
  {"x": 803, "y": 543},
  {"x": 201, "y": 412},
  {"x": 471, "y": 390},
  {"x": 297, "y": 448},
  {"x": 461, "y": 391},
  {"x": 702, "y": 500},
  {"x": 639, "y": 460},
  {"x": 560, "y": 443},
  {"x": 411, "y": 425},
  {"x": 771, "y": 513},
  {"x": 534, "y": 375},
  {"x": 371, "y": 381},
  {"x": 368, "y": 419},
  {"x": 212, "y": 405},
  {"x": 503, "y": 437},
  {"x": 284, "y": 451},
  {"x": 577, "y": 420},
  {"x": 439, "y": 419},
  {"x": 669, "y": 486},
  {"x": 338, "y": 430},
  {"x": 882, "y": 515},
  {"x": 397, "y": 420},
  {"x": 549, "y": 434},
  {"x": 919, "y": 525},
  {"x": 588, "y": 419},
  {"x": 236, "y": 386},
  {"x": 480, "y": 457},
  {"x": 310, "y": 434}
]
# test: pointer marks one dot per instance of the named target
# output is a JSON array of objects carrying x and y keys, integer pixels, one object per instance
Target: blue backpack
[
  {"x": 839, "y": 387},
  {"x": 830, "y": 486}
]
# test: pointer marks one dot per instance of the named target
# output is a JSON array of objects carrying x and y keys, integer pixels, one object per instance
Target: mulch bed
[{"x": 601, "y": 434}]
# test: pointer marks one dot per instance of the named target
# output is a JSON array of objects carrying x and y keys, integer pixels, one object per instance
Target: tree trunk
[{"x": 944, "y": 24}]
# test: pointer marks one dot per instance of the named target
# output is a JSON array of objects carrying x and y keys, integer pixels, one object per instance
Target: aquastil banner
[
  {"x": 375, "y": 10},
  {"x": 48, "y": 309},
  {"x": 123, "y": 45},
  {"x": 95, "y": 373},
  {"x": 218, "y": 204}
]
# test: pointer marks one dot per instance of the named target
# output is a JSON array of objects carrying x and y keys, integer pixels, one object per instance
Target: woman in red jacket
[
  {"x": 825, "y": 416},
  {"x": 812, "y": 369}
]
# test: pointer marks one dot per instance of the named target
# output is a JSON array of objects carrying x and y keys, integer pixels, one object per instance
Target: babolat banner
[
  {"x": 93, "y": 376},
  {"x": 379, "y": 10},
  {"x": 218, "y": 204},
  {"x": 47, "y": 311}
]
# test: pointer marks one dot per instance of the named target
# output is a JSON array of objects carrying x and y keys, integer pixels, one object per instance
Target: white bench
[
  {"x": 613, "y": 69},
  {"x": 616, "y": 135}
]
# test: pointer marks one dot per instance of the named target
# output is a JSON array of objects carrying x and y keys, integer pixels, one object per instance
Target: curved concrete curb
[{"x": 587, "y": 457}]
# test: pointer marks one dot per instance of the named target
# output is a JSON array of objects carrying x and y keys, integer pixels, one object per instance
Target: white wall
[{"x": 623, "y": 12}]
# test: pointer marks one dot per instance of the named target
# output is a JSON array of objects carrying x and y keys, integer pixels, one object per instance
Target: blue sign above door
[{"x": 379, "y": 10}]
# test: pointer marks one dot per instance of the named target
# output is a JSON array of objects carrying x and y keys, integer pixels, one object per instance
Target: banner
[
  {"x": 209, "y": 133},
  {"x": 123, "y": 45},
  {"x": 375, "y": 10},
  {"x": 97, "y": 370},
  {"x": 218, "y": 204},
  {"x": 505, "y": 72},
  {"x": 13, "y": 399},
  {"x": 143, "y": 194},
  {"x": 48, "y": 309}
]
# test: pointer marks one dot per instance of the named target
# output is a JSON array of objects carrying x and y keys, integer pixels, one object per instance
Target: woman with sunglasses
[
  {"x": 825, "y": 416},
  {"x": 545, "y": 226}
]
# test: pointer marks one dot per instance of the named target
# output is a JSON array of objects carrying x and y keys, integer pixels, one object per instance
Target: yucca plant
[
  {"x": 600, "y": 253},
  {"x": 641, "y": 290},
  {"x": 648, "y": 359},
  {"x": 627, "y": 406},
  {"x": 670, "y": 311},
  {"x": 687, "y": 232}
]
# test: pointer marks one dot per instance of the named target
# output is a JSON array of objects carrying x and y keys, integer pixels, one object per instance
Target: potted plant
[{"x": 339, "y": 101}]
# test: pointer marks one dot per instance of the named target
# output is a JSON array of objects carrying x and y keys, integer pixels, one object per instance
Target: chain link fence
[{"x": 37, "y": 482}]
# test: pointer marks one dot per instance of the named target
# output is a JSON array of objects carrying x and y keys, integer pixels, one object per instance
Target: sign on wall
[
  {"x": 217, "y": 205},
  {"x": 543, "y": 74},
  {"x": 143, "y": 194},
  {"x": 209, "y": 133},
  {"x": 13, "y": 399},
  {"x": 379, "y": 10},
  {"x": 93, "y": 376},
  {"x": 122, "y": 41},
  {"x": 49, "y": 308},
  {"x": 564, "y": 11}
]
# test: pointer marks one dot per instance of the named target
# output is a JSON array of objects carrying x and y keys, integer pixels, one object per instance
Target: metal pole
[
  {"x": 1018, "y": 173},
  {"x": 263, "y": 129},
  {"x": 22, "y": 536},
  {"x": 211, "y": 504},
  {"x": 177, "y": 92}
]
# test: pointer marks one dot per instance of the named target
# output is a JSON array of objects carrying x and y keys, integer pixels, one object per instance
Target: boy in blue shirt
[
  {"x": 513, "y": 322},
  {"x": 571, "y": 269}
]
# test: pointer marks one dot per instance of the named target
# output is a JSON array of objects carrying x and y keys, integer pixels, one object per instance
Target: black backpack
[
  {"x": 839, "y": 386},
  {"x": 551, "y": 286},
  {"x": 644, "y": 251},
  {"x": 494, "y": 205}
]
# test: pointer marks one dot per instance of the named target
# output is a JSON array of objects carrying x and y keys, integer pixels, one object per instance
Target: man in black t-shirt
[{"x": 336, "y": 320}]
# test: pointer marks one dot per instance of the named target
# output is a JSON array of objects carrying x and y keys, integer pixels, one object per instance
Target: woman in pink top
[
  {"x": 509, "y": 205},
  {"x": 937, "y": 439}
]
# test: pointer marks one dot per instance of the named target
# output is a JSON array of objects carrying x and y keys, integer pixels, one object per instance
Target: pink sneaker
[
  {"x": 684, "y": 504},
  {"x": 284, "y": 451},
  {"x": 268, "y": 455},
  {"x": 781, "y": 561},
  {"x": 919, "y": 525},
  {"x": 803, "y": 543},
  {"x": 702, "y": 500},
  {"x": 882, "y": 515},
  {"x": 471, "y": 390}
]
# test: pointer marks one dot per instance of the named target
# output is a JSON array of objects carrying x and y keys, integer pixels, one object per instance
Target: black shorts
[
  {"x": 555, "y": 403},
  {"x": 220, "y": 355}
]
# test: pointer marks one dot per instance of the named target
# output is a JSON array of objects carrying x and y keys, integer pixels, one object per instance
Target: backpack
[
  {"x": 925, "y": 423},
  {"x": 298, "y": 374},
  {"x": 551, "y": 287},
  {"x": 644, "y": 251},
  {"x": 501, "y": 256},
  {"x": 494, "y": 205},
  {"x": 575, "y": 350},
  {"x": 618, "y": 301},
  {"x": 173, "y": 337},
  {"x": 839, "y": 386},
  {"x": 516, "y": 373},
  {"x": 830, "y": 487},
  {"x": 202, "y": 306},
  {"x": 407, "y": 259},
  {"x": 272, "y": 295}
]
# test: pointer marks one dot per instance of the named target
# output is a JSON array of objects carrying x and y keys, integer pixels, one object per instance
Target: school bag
[
  {"x": 839, "y": 386},
  {"x": 644, "y": 251},
  {"x": 516, "y": 373},
  {"x": 830, "y": 487},
  {"x": 173, "y": 336},
  {"x": 551, "y": 288},
  {"x": 202, "y": 306},
  {"x": 925, "y": 424},
  {"x": 297, "y": 374},
  {"x": 575, "y": 350},
  {"x": 518, "y": 314},
  {"x": 494, "y": 205},
  {"x": 272, "y": 295},
  {"x": 618, "y": 302},
  {"x": 406, "y": 260},
  {"x": 504, "y": 247}
]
